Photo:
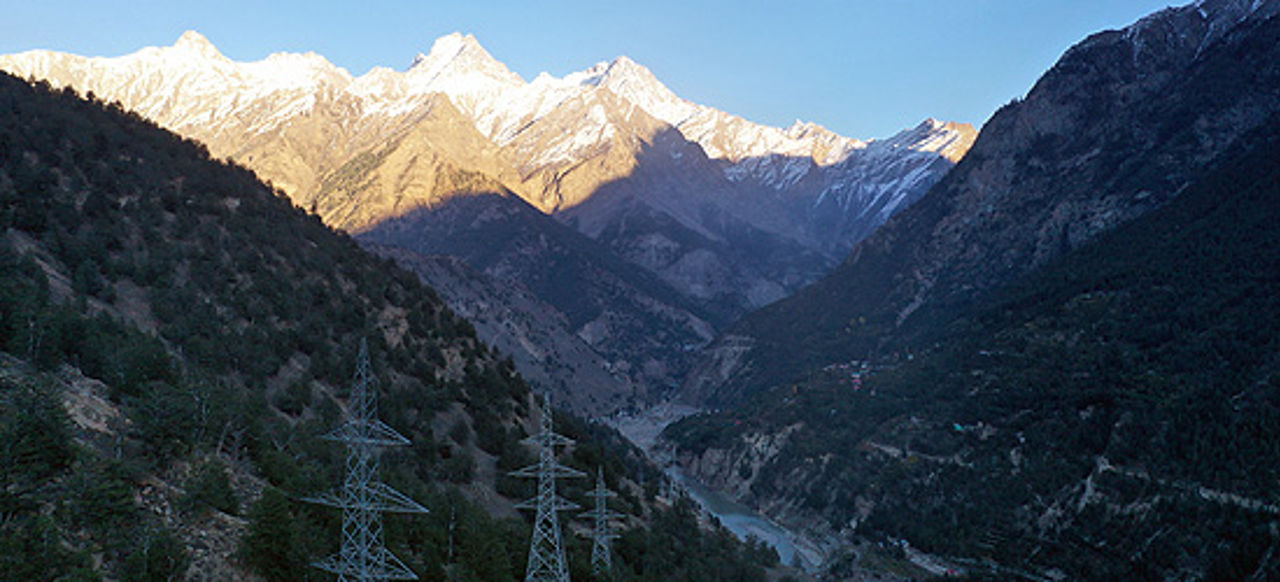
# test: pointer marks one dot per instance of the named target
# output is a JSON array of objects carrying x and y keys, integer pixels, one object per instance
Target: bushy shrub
[{"x": 209, "y": 487}]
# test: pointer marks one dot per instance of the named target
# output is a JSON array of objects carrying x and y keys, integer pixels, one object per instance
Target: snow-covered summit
[
  {"x": 751, "y": 149},
  {"x": 497, "y": 100},
  {"x": 948, "y": 139},
  {"x": 457, "y": 55},
  {"x": 196, "y": 43},
  {"x": 191, "y": 83}
]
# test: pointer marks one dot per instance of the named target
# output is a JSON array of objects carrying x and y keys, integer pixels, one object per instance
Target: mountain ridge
[{"x": 1100, "y": 139}]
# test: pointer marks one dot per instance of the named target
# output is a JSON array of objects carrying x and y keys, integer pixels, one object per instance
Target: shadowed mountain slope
[
  {"x": 1113, "y": 415},
  {"x": 627, "y": 315},
  {"x": 535, "y": 335},
  {"x": 1118, "y": 127}
]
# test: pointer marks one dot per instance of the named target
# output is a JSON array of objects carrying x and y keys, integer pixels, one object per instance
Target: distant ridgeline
[{"x": 174, "y": 337}]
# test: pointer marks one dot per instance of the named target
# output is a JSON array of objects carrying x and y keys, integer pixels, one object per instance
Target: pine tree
[{"x": 269, "y": 546}]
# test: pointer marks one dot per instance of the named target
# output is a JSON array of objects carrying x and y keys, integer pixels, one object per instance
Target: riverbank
[{"x": 643, "y": 429}]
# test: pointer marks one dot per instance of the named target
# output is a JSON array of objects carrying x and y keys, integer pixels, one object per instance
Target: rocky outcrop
[{"x": 732, "y": 470}]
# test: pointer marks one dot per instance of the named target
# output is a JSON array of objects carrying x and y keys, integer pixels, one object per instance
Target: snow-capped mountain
[
  {"x": 730, "y": 214},
  {"x": 543, "y": 126},
  {"x": 749, "y": 148},
  {"x": 190, "y": 85},
  {"x": 859, "y": 193}
]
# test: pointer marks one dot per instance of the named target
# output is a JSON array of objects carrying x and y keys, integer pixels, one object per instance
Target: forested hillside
[
  {"x": 1114, "y": 416},
  {"x": 174, "y": 337}
]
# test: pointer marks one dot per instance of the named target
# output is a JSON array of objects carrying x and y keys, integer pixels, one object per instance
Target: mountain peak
[
  {"x": 624, "y": 63},
  {"x": 948, "y": 139},
  {"x": 452, "y": 47},
  {"x": 192, "y": 38},
  {"x": 625, "y": 68},
  {"x": 801, "y": 129},
  {"x": 454, "y": 42},
  {"x": 455, "y": 56},
  {"x": 637, "y": 84},
  {"x": 620, "y": 70},
  {"x": 194, "y": 42}
]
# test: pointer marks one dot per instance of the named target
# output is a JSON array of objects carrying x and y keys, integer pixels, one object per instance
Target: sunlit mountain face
[{"x": 690, "y": 216}]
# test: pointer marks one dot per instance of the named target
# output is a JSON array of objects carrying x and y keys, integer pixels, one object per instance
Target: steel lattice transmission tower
[
  {"x": 601, "y": 534},
  {"x": 546, "y": 547},
  {"x": 362, "y": 497}
]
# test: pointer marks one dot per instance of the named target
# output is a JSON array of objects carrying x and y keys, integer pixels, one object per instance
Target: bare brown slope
[{"x": 434, "y": 157}]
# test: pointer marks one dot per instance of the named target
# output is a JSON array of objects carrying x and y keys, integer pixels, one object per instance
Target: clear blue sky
[{"x": 864, "y": 68}]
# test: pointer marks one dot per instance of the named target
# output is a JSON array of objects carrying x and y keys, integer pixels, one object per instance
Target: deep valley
[{"x": 1045, "y": 349}]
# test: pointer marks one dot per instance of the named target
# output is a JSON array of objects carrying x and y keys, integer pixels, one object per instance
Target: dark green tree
[
  {"x": 270, "y": 546},
  {"x": 156, "y": 556}
]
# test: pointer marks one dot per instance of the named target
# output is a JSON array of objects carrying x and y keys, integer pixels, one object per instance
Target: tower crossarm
[
  {"x": 367, "y": 432},
  {"x": 558, "y": 504},
  {"x": 556, "y": 470},
  {"x": 551, "y": 439},
  {"x": 378, "y": 497},
  {"x": 594, "y": 514}
]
